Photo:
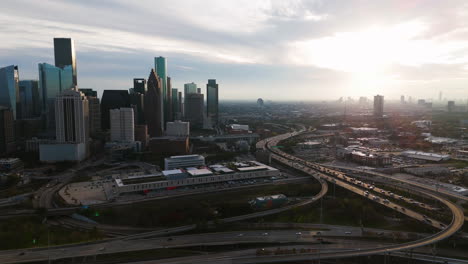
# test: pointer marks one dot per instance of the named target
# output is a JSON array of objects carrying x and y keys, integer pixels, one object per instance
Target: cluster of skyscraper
[{"x": 64, "y": 116}]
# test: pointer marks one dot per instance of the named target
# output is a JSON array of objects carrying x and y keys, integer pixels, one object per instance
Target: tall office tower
[
  {"x": 451, "y": 106},
  {"x": 94, "y": 105},
  {"x": 137, "y": 101},
  {"x": 378, "y": 105},
  {"x": 9, "y": 89},
  {"x": 212, "y": 102},
  {"x": 440, "y": 96},
  {"x": 139, "y": 85},
  {"x": 168, "y": 115},
  {"x": 122, "y": 125},
  {"x": 154, "y": 106},
  {"x": 7, "y": 132},
  {"x": 160, "y": 66},
  {"x": 194, "y": 109},
  {"x": 402, "y": 99},
  {"x": 175, "y": 104},
  {"x": 71, "y": 117},
  {"x": 199, "y": 90},
  {"x": 30, "y": 102},
  {"x": 64, "y": 51},
  {"x": 181, "y": 106},
  {"x": 112, "y": 99},
  {"x": 52, "y": 81},
  {"x": 190, "y": 88}
]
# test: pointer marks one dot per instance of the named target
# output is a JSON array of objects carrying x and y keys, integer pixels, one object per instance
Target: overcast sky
[{"x": 279, "y": 50}]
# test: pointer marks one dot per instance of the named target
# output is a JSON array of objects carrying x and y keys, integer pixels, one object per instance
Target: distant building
[
  {"x": 10, "y": 164},
  {"x": 9, "y": 89},
  {"x": 168, "y": 115},
  {"x": 64, "y": 53},
  {"x": 71, "y": 129},
  {"x": 432, "y": 157},
  {"x": 176, "y": 111},
  {"x": 141, "y": 135},
  {"x": 160, "y": 66},
  {"x": 30, "y": 101},
  {"x": 94, "y": 110},
  {"x": 137, "y": 102},
  {"x": 122, "y": 125},
  {"x": 139, "y": 85},
  {"x": 402, "y": 99},
  {"x": 190, "y": 88},
  {"x": 194, "y": 109},
  {"x": 212, "y": 102},
  {"x": 175, "y": 162},
  {"x": 378, "y": 105},
  {"x": 153, "y": 108},
  {"x": 260, "y": 102},
  {"x": 7, "y": 131},
  {"x": 112, "y": 99},
  {"x": 451, "y": 106},
  {"x": 178, "y": 129}
]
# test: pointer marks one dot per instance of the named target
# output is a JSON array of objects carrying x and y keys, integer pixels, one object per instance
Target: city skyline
[{"x": 395, "y": 48}]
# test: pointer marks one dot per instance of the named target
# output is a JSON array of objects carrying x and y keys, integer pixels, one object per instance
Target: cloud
[{"x": 255, "y": 46}]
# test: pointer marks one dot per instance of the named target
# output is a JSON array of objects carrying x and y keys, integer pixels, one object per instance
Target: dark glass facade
[
  {"x": 64, "y": 51},
  {"x": 212, "y": 101},
  {"x": 154, "y": 106},
  {"x": 9, "y": 89},
  {"x": 139, "y": 85},
  {"x": 112, "y": 99},
  {"x": 30, "y": 102}
]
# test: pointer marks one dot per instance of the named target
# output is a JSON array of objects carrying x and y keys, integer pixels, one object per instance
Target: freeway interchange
[{"x": 159, "y": 239}]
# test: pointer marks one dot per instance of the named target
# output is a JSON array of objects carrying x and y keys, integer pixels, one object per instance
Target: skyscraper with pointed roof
[{"x": 154, "y": 113}]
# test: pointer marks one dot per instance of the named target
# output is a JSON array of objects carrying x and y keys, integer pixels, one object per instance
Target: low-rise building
[
  {"x": 10, "y": 164},
  {"x": 194, "y": 176},
  {"x": 184, "y": 161},
  {"x": 434, "y": 157}
]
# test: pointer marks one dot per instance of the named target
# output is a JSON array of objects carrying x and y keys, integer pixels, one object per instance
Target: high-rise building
[
  {"x": 168, "y": 116},
  {"x": 30, "y": 102},
  {"x": 9, "y": 89},
  {"x": 212, "y": 101},
  {"x": 378, "y": 105},
  {"x": 199, "y": 90},
  {"x": 181, "y": 106},
  {"x": 194, "y": 109},
  {"x": 71, "y": 117},
  {"x": 402, "y": 99},
  {"x": 154, "y": 106},
  {"x": 160, "y": 66},
  {"x": 112, "y": 99},
  {"x": 52, "y": 81},
  {"x": 7, "y": 131},
  {"x": 94, "y": 105},
  {"x": 64, "y": 51},
  {"x": 175, "y": 103},
  {"x": 139, "y": 85},
  {"x": 190, "y": 88},
  {"x": 137, "y": 102},
  {"x": 141, "y": 134},
  {"x": 122, "y": 125},
  {"x": 451, "y": 106}
]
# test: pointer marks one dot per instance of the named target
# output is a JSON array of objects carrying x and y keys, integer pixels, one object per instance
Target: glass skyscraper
[
  {"x": 64, "y": 51},
  {"x": 190, "y": 88},
  {"x": 212, "y": 101},
  {"x": 9, "y": 88},
  {"x": 160, "y": 66},
  {"x": 52, "y": 81},
  {"x": 30, "y": 102}
]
